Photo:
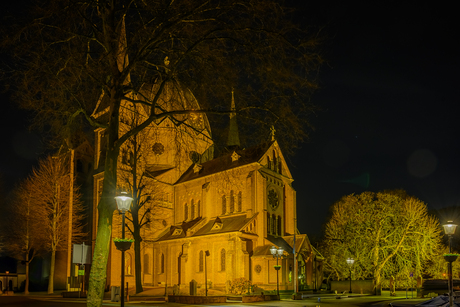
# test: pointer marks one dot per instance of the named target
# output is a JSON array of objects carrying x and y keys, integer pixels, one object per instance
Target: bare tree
[
  {"x": 49, "y": 191},
  {"x": 26, "y": 217},
  {"x": 146, "y": 191},
  {"x": 85, "y": 60},
  {"x": 387, "y": 233}
]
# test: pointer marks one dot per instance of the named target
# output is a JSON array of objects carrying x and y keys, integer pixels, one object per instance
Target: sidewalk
[{"x": 147, "y": 298}]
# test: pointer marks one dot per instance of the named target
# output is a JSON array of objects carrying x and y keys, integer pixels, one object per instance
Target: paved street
[{"x": 41, "y": 300}]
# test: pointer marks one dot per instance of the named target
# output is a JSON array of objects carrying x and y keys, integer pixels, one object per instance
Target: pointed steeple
[
  {"x": 122, "y": 56},
  {"x": 233, "y": 141}
]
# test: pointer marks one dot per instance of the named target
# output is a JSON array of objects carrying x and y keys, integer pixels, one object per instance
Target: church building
[{"x": 211, "y": 219}]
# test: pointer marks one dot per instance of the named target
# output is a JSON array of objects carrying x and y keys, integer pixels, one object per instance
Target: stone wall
[
  {"x": 186, "y": 299},
  {"x": 357, "y": 286}
]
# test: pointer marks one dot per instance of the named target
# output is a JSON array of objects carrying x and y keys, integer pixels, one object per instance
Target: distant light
[
  {"x": 123, "y": 202},
  {"x": 276, "y": 252},
  {"x": 350, "y": 262},
  {"x": 449, "y": 228},
  {"x": 280, "y": 251}
]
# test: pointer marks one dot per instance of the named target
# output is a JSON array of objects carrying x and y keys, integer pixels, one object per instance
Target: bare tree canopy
[
  {"x": 74, "y": 52},
  {"x": 49, "y": 187},
  {"x": 77, "y": 62},
  {"x": 387, "y": 234},
  {"x": 29, "y": 238}
]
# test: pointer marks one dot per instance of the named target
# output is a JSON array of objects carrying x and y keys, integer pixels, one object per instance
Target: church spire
[{"x": 233, "y": 141}]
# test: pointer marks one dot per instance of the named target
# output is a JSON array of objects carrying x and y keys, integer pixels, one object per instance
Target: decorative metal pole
[
  {"x": 277, "y": 253},
  {"x": 350, "y": 262},
  {"x": 206, "y": 254},
  {"x": 123, "y": 204},
  {"x": 449, "y": 229},
  {"x": 7, "y": 283},
  {"x": 122, "y": 290}
]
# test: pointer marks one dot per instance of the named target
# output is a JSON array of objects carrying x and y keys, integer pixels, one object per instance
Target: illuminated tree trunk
[
  {"x": 105, "y": 208},
  {"x": 51, "y": 280},
  {"x": 26, "y": 288},
  {"x": 98, "y": 275}
]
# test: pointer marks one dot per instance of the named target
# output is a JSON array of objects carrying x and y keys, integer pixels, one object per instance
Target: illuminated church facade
[{"x": 212, "y": 218}]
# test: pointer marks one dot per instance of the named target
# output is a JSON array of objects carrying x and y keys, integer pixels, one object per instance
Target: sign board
[
  {"x": 81, "y": 272},
  {"x": 81, "y": 254}
]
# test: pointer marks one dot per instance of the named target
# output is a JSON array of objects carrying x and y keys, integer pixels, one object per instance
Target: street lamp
[
  {"x": 350, "y": 262},
  {"x": 7, "y": 283},
  {"x": 123, "y": 204},
  {"x": 206, "y": 254},
  {"x": 449, "y": 229},
  {"x": 277, "y": 253}
]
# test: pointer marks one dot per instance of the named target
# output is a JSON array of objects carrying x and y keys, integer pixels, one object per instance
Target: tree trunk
[
  {"x": 26, "y": 288},
  {"x": 377, "y": 283},
  {"x": 137, "y": 262},
  {"x": 98, "y": 274},
  {"x": 51, "y": 280},
  {"x": 106, "y": 207}
]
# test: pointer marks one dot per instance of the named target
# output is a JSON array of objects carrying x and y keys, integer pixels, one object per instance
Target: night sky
[{"x": 389, "y": 92}]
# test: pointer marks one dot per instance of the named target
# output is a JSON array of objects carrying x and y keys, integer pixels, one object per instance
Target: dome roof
[{"x": 175, "y": 97}]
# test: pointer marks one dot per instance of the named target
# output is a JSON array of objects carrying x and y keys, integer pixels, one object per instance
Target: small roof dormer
[{"x": 217, "y": 224}]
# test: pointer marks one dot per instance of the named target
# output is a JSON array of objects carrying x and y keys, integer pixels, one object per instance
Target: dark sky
[
  {"x": 390, "y": 106},
  {"x": 389, "y": 98}
]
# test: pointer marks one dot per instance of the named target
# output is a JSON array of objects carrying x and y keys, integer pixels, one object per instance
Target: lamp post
[
  {"x": 277, "y": 253},
  {"x": 206, "y": 254},
  {"x": 449, "y": 229},
  {"x": 350, "y": 262},
  {"x": 7, "y": 283},
  {"x": 123, "y": 204}
]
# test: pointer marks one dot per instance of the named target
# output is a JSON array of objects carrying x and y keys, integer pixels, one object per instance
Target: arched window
[
  {"x": 128, "y": 264},
  {"x": 224, "y": 204},
  {"x": 198, "y": 208},
  {"x": 162, "y": 263},
  {"x": 200, "y": 262},
  {"x": 240, "y": 201},
  {"x": 273, "y": 224},
  {"x": 269, "y": 165},
  {"x": 268, "y": 223},
  {"x": 185, "y": 212},
  {"x": 192, "y": 211},
  {"x": 146, "y": 264},
  {"x": 279, "y": 226},
  {"x": 222, "y": 260},
  {"x": 232, "y": 202}
]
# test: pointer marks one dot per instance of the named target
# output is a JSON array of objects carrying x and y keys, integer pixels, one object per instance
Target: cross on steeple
[{"x": 273, "y": 132}]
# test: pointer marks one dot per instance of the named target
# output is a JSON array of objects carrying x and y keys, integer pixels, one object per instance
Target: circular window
[
  {"x": 158, "y": 149},
  {"x": 194, "y": 156},
  {"x": 258, "y": 269}
]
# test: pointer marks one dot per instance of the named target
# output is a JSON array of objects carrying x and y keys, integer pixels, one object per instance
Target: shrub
[{"x": 238, "y": 285}]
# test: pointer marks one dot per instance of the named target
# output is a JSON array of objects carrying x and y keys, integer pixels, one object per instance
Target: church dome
[{"x": 176, "y": 97}]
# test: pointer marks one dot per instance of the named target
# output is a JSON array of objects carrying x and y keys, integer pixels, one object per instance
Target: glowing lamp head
[
  {"x": 280, "y": 251},
  {"x": 350, "y": 262},
  {"x": 123, "y": 202},
  {"x": 449, "y": 228},
  {"x": 277, "y": 252}
]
